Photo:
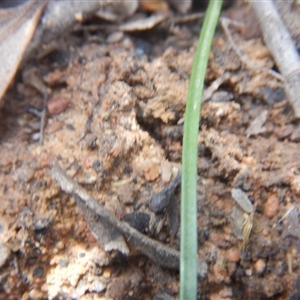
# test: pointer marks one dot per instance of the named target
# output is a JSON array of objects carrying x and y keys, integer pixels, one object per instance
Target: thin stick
[
  {"x": 158, "y": 252},
  {"x": 283, "y": 49},
  {"x": 43, "y": 117},
  {"x": 225, "y": 22}
]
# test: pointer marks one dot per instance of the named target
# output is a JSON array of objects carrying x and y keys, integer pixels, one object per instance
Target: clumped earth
[{"x": 114, "y": 125}]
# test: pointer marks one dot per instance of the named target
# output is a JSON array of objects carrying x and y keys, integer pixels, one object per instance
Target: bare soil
[{"x": 115, "y": 115}]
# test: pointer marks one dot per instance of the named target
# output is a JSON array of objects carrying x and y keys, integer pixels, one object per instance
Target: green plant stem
[{"x": 188, "y": 242}]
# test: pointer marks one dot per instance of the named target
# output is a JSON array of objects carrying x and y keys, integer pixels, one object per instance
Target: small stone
[
  {"x": 260, "y": 266},
  {"x": 242, "y": 200},
  {"x": 271, "y": 207},
  {"x": 57, "y": 105},
  {"x": 233, "y": 255},
  {"x": 249, "y": 272}
]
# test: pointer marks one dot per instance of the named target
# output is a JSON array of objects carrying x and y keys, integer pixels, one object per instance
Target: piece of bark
[
  {"x": 280, "y": 43},
  {"x": 109, "y": 237},
  {"x": 158, "y": 252},
  {"x": 143, "y": 24},
  {"x": 290, "y": 13}
]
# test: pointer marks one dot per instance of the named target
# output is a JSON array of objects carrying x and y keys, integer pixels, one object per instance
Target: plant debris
[{"x": 158, "y": 252}]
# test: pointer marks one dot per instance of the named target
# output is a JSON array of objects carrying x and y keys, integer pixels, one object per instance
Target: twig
[
  {"x": 225, "y": 23},
  {"x": 158, "y": 252},
  {"x": 43, "y": 117},
  {"x": 283, "y": 49}
]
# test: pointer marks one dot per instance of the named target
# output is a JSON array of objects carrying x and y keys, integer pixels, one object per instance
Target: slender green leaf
[{"x": 188, "y": 242}]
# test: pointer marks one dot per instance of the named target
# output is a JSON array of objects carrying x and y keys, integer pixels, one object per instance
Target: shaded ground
[{"x": 119, "y": 136}]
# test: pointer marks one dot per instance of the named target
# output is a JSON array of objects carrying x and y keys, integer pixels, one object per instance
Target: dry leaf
[
  {"x": 154, "y": 5},
  {"x": 17, "y": 27},
  {"x": 143, "y": 24}
]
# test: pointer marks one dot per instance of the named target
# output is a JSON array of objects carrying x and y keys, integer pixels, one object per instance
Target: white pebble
[{"x": 242, "y": 200}]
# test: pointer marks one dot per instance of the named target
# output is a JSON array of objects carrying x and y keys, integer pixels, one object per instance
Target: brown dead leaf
[
  {"x": 154, "y": 6},
  {"x": 17, "y": 26},
  {"x": 143, "y": 24}
]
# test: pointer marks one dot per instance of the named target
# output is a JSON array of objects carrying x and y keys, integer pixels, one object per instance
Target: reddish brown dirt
[{"x": 115, "y": 126}]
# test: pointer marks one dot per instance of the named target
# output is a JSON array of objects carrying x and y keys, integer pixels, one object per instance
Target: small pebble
[
  {"x": 57, "y": 105},
  {"x": 233, "y": 255},
  {"x": 249, "y": 272},
  {"x": 271, "y": 207},
  {"x": 260, "y": 266},
  {"x": 242, "y": 200},
  {"x": 35, "y": 136}
]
